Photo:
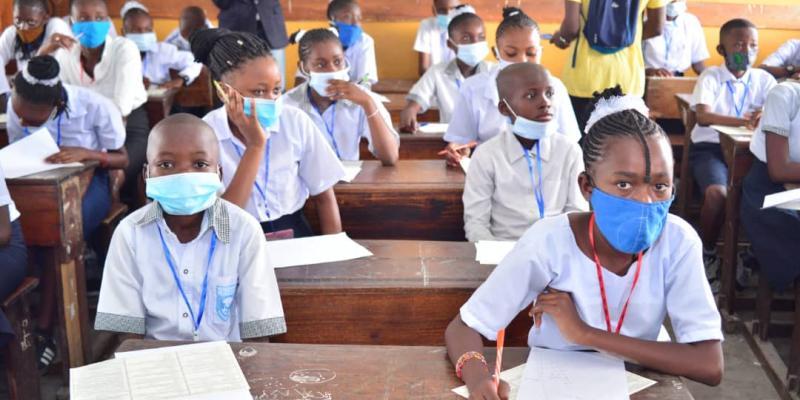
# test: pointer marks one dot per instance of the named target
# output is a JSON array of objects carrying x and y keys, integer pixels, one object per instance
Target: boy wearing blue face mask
[
  {"x": 359, "y": 47},
  {"x": 681, "y": 45},
  {"x": 527, "y": 172},
  {"x": 431, "y": 41},
  {"x": 188, "y": 266},
  {"x": 604, "y": 280},
  {"x": 731, "y": 94}
]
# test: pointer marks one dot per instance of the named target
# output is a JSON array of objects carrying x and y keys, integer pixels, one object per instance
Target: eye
[
  {"x": 550, "y": 93},
  {"x": 259, "y": 93},
  {"x": 530, "y": 95},
  {"x": 201, "y": 164},
  {"x": 622, "y": 185},
  {"x": 165, "y": 164},
  {"x": 319, "y": 65},
  {"x": 277, "y": 91},
  {"x": 662, "y": 187}
]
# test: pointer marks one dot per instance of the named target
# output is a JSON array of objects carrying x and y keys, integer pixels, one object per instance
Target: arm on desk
[
  {"x": 777, "y": 72},
  {"x": 329, "y": 220},
  {"x": 462, "y": 339},
  {"x": 408, "y": 117},
  {"x": 113, "y": 159},
  {"x": 705, "y": 117},
  {"x": 781, "y": 168},
  {"x": 5, "y": 225}
]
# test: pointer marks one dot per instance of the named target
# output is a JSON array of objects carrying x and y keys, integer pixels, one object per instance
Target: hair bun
[
  {"x": 513, "y": 12},
  {"x": 43, "y": 67},
  {"x": 202, "y": 42}
]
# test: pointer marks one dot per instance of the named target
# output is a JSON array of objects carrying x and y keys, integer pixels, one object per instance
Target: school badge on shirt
[{"x": 225, "y": 295}]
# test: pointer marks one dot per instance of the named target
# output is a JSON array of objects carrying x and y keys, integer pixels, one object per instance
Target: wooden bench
[
  {"x": 660, "y": 95},
  {"x": 20, "y": 354},
  {"x": 418, "y": 146}
]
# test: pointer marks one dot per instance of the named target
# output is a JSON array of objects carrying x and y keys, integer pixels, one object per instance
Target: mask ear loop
[{"x": 509, "y": 108}]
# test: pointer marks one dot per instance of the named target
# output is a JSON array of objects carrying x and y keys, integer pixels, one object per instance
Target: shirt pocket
[{"x": 223, "y": 289}]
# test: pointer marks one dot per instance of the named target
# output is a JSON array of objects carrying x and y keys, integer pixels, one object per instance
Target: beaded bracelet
[{"x": 470, "y": 355}]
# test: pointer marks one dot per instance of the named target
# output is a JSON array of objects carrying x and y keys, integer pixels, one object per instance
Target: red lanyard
[{"x": 603, "y": 286}]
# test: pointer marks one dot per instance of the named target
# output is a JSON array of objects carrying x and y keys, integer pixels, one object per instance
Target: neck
[
  {"x": 526, "y": 143},
  {"x": 321, "y": 102},
  {"x": 92, "y": 54},
  {"x": 611, "y": 258},
  {"x": 672, "y": 18},
  {"x": 185, "y": 227},
  {"x": 737, "y": 74},
  {"x": 465, "y": 69}
]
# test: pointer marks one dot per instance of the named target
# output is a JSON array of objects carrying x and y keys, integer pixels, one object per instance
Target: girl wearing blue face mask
[
  {"x": 605, "y": 280},
  {"x": 359, "y": 47},
  {"x": 274, "y": 156},
  {"x": 343, "y": 111}
]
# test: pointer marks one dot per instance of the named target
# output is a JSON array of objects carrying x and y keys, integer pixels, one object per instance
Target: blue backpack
[{"x": 611, "y": 24}]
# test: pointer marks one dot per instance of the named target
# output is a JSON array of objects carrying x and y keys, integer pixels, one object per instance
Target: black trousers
[
  {"x": 583, "y": 109},
  {"x": 137, "y": 130},
  {"x": 296, "y": 221},
  {"x": 13, "y": 268}
]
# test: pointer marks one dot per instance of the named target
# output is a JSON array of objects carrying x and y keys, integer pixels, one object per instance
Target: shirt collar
[
  {"x": 513, "y": 149},
  {"x": 217, "y": 214},
  {"x": 453, "y": 70},
  {"x": 728, "y": 76}
]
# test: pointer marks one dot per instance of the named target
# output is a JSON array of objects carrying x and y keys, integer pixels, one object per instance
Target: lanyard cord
[{"x": 537, "y": 189}]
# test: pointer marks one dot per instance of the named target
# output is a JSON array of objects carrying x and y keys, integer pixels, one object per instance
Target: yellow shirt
[{"x": 595, "y": 71}]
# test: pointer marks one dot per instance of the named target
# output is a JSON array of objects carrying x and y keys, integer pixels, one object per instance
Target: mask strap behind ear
[{"x": 509, "y": 108}]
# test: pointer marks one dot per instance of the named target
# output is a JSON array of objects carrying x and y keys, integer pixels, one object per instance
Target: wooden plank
[
  {"x": 660, "y": 95},
  {"x": 397, "y": 101},
  {"x": 418, "y": 146},
  {"x": 158, "y": 106},
  {"x": 396, "y": 86},
  {"x": 198, "y": 94}
]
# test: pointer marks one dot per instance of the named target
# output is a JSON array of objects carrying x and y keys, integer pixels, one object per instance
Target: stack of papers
[
  {"x": 432, "y": 128},
  {"x": 351, "y": 170},
  {"x": 491, "y": 252},
  {"x": 314, "y": 250},
  {"x": 27, "y": 155},
  {"x": 195, "y": 371},
  {"x": 789, "y": 200},
  {"x": 465, "y": 161},
  {"x": 732, "y": 130}
]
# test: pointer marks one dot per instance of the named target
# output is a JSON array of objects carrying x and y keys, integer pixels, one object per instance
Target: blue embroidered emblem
[{"x": 225, "y": 295}]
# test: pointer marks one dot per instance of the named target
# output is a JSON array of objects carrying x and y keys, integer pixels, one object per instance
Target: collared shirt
[
  {"x": 343, "y": 120},
  {"x": 361, "y": 56},
  {"x": 174, "y": 38},
  {"x": 5, "y": 198},
  {"x": 781, "y": 117},
  {"x": 682, "y": 44},
  {"x": 301, "y": 163},
  {"x": 787, "y": 54},
  {"x": 713, "y": 89},
  {"x": 8, "y": 41},
  {"x": 432, "y": 40},
  {"x": 499, "y": 199},
  {"x": 139, "y": 294},
  {"x": 439, "y": 87},
  {"x": 156, "y": 64},
  {"x": 476, "y": 117},
  {"x": 91, "y": 121},
  {"x": 115, "y": 76},
  {"x": 672, "y": 283}
]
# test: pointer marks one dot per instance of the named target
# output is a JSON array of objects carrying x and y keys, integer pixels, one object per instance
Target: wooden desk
[
  {"x": 50, "y": 204},
  {"x": 375, "y": 372},
  {"x": 418, "y": 146},
  {"x": 158, "y": 105},
  {"x": 415, "y": 199},
  {"x": 198, "y": 94},
  {"x": 397, "y": 101},
  {"x": 686, "y": 187},
  {"x": 393, "y": 86},
  {"x": 3, "y": 131},
  {"x": 660, "y": 95}
]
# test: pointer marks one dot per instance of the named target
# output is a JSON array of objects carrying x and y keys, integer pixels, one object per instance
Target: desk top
[
  {"x": 684, "y": 99},
  {"x": 407, "y": 174},
  {"x": 52, "y": 176},
  {"x": 285, "y": 371},
  {"x": 157, "y": 94},
  {"x": 387, "y": 86},
  {"x": 737, "y": 133}
]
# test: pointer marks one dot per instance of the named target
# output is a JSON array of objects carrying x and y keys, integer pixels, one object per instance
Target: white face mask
[
  {"x": 319, "y": 81},
  {"x": 675, "y": 9}
]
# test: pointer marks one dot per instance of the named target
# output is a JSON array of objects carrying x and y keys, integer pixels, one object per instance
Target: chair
[{"x": 20, "y": 354}]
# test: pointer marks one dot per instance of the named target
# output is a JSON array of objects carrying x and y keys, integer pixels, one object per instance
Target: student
[
  {"x": 359, "y": 47},
  {"x": 431, "y": 42},
  {"x": 192, "y": 19},
  {"x": 274, "y": 155},
  {"x": 106, "y": 65},
  {"x": 476, "y": 117},
  {"x": 785, "y": 62},
  {"x": 188, "y": 266},
  {"x": 774, "y": 232},
  {"x": 13, "y": 256},
  {"x": 441, "y": 83},
  {"x": 157, "y": 58},
  {"x": 527, "y": 172},
  {"x": 731, "y": 95},
  {"x": 345, "y": 111},
  {"x": 681, "y": 45},
  {"x": 582, "y": 268}
]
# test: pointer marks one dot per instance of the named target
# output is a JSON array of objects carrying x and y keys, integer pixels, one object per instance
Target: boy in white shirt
[
  {"x": 193, "y": 18},
  {"x": 784, "y": 62},
  {"x": 680, "y": 46},
  {"x": 525, "y": 173},
  {"x": 359, "y": 47},
  {"x": 431, "y": 41}
]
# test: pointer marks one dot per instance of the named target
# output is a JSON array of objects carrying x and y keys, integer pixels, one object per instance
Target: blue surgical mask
[
  {"x": 319, "y": 80},
  {"x": 529, "y": 129},
  {"x": 267, "y": 111},
  {"x": 630, "y": 226},
  {"x": 472, "y": 54},
  {"x": 442, "y": 21},
  {"x": 91, "y": 34},
  {"x": 674, "y": 10},
  {"x": 184, "y": 194},
  {"x": 144, "y": 41},
  {"x": 348, "y": 34}
]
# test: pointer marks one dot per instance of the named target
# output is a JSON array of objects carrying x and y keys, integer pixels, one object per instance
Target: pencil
[{"x": 501, "y": 338}]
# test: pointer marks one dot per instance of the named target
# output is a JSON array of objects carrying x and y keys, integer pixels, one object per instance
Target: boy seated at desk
[
  {"x": 431, "y": 42},
  {"x": 680, "y": 46},
  {"x": 189, "y": 265},
  {"x": 784, "y": 62},
  {"x": 193, "y": 19},
  {"x": 528, "y": 171}
]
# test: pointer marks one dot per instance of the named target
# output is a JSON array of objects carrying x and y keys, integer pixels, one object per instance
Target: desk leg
[{"x": 22, "y": 354}]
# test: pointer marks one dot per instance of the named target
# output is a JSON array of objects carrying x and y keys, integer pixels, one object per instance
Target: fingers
[{"x": 504, "y": 390}]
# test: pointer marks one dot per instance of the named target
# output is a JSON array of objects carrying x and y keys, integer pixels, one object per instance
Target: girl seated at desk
[{"x": 13, "y": 255}]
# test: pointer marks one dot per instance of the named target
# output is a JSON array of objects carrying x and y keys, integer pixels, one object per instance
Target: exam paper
[
  {"x": 789, "y": 200},
  {"x": 314, "y": 250},
  {"x": 26, "y": 156},
  {"x": 351, "y": 170},
  {"x": 432, "y": 128},
  {"x": 732, "y": 130},
  {"x": 573, "y": 375},
  {"x": 3, "y": 118},
  {"x": 465, "y": 161},
  {"x": 156, "y": 91},
  {"x": 491, "y": 252}
]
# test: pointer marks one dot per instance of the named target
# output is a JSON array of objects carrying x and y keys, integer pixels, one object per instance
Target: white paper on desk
[
  {"x": 103, "y": 380},
  {"x": 314, "y": 250},
  {"x": 789, "y": 200},
  {"x": 351, "y": 170},
  {"x": 732, "y": 130},
  {"x": 26, "y": 156},
  {"x": 465, "y": 162},
  {"x": 573, "y": 375},
  {"x": 156, "y": 91},
  {"x": 491, "y": 252},
  {"x": 432, "y": 128},
  {"x": 3, "y": 118}
]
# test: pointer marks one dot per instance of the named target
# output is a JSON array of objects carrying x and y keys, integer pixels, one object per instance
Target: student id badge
[{"x": 280, "y": 235}]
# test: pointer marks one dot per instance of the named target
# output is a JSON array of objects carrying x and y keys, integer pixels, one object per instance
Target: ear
[
  {"x": 451, "y": 45},
  {"x": 145, "y": 171},
  {"x": 503, "y": 108},
  {"x": 219, "y": 172},
  {"x": 496, "y": 53},
  {"x": 720, "y": 50},
  {"x": 585, "y": 185}
]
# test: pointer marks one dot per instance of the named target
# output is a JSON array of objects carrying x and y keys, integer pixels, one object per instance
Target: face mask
[
  {"x": 348, "y": 34},
  {"x": 30, "y": 35},
  {"x": 91, "y": 34},
  {"x": 500, "y": 62},
  {"x": 529, "y": 129},
  {"x": 319, "y": 80},
  {"x": 184, "y": 194},
  {"x": 472, "y": 54},
  {"x": 674, "y": 10},
  {"x": 144, "y": 41},
  {"x": 267, "y": 111},
  {"x": 629, "y": 226},
  {"x": 442, "y": 21},
  {"x": 740, "y": 60}
]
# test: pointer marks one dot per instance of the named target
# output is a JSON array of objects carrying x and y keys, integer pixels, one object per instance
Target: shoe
[
  {"x": 45, "y": 350},
  {"x": 712, "y": 265}
]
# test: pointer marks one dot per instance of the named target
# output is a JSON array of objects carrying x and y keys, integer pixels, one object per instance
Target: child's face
[
  {"x": 185, "y": 149},
  {"x": 259, "y": 78},
  {"x": 325, "y": 56},
  {"x": 469, "y": 32},
  {"x": 520, "y": 45},
  {"x": 530, "y": 98},
  {"x": 31, "y": 115},
  {"x": 138, "y": 23},
  {"x": 189, "y": 23},
  {"x": 89, "y": 10},
  {"x": 27, "y": 17},
  {"x": 349, "y": 15},
  {"x": 443, "y": 7},
  {"x": 738, "y": 40}
]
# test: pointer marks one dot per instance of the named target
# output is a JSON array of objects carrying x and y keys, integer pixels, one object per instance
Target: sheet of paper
[
  {"x": 465, "y": 161},
  {"x": 732, "y": 130},
  {"x": 156, "y": 92},
  {"x": 637, "y": 383},
  {"x": 26, "y": 156},
  {"x": 103, "y": 380},
  {"x": 3, "y": 118},
  {"x": 351, "y": 169},
  {"x": 432, "y": 128},
  {"x": 491, "y": 252},
  {"x": 315, "y": 250},
  {"x": 789, "y": 200}
]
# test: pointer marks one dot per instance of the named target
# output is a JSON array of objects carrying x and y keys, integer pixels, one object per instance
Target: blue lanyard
[
  {"x": 739, "y": 108},
  {"x": 261, "y": 191},
  {"x": 58, "y": 129},
  {"x": 204, "y": 291},
  {"x": 537, "y": 189},
  {"x": 330, "y": 128}
]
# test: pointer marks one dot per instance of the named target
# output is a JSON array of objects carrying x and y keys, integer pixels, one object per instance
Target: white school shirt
[
  {"x": 476, "y": 117},
  {"x": 432, "y": 40},
  {"x": 712, "y": 89},
  {"x": 682, "y": 44},
  {"x": 157, "y": 63},
  {"x": 301, "y": 163},
  {"x": 343, "y": 120},
  {"x": 781, "y": 117},
  {"x": 361, "y": 57},
  {"x": 5, "y": 198},
  {"x": 439, "y": 87},
  {"x": 499, "y": 199},
  {"x": 116, "y": 76},
  {"x": 787, "y": 54},
  {"x": 139, "y": 294},
  {"x": 672, "y": 283},
  {"x": 91, "y": 121},
  {"x": 9, "y": 38},
  {"x": 174, "y": 38}
]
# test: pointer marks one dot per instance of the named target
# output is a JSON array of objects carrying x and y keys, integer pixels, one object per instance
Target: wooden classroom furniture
[
  {"x": 660, "y": 95},
  {"x": 397, "y": 101},
  {"x": 3, "y": 131},
  {"x": 686, "y": 187},
  {"x": 393, "y": 86},
  {"x": 20, "y": 354},
  {"x": 198, "y": 94},
  {"x": 375, "y": 372},
  {"x": 415, "y": 199},
  {"x": 405, "y": 294},
  {"x": 417, "y": 146},
  {"x": 158, "y": 105}
]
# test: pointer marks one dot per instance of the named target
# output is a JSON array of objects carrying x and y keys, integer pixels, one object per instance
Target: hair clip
[
  {"x": 613, "y": 105},
  {"x": 34, "y": 81},
  {"x": 240, "y": 42},
  {"x": 334, "y": 30},
  {"x": 299, "y": 35},
  {"x": 229, "y": 62}
]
